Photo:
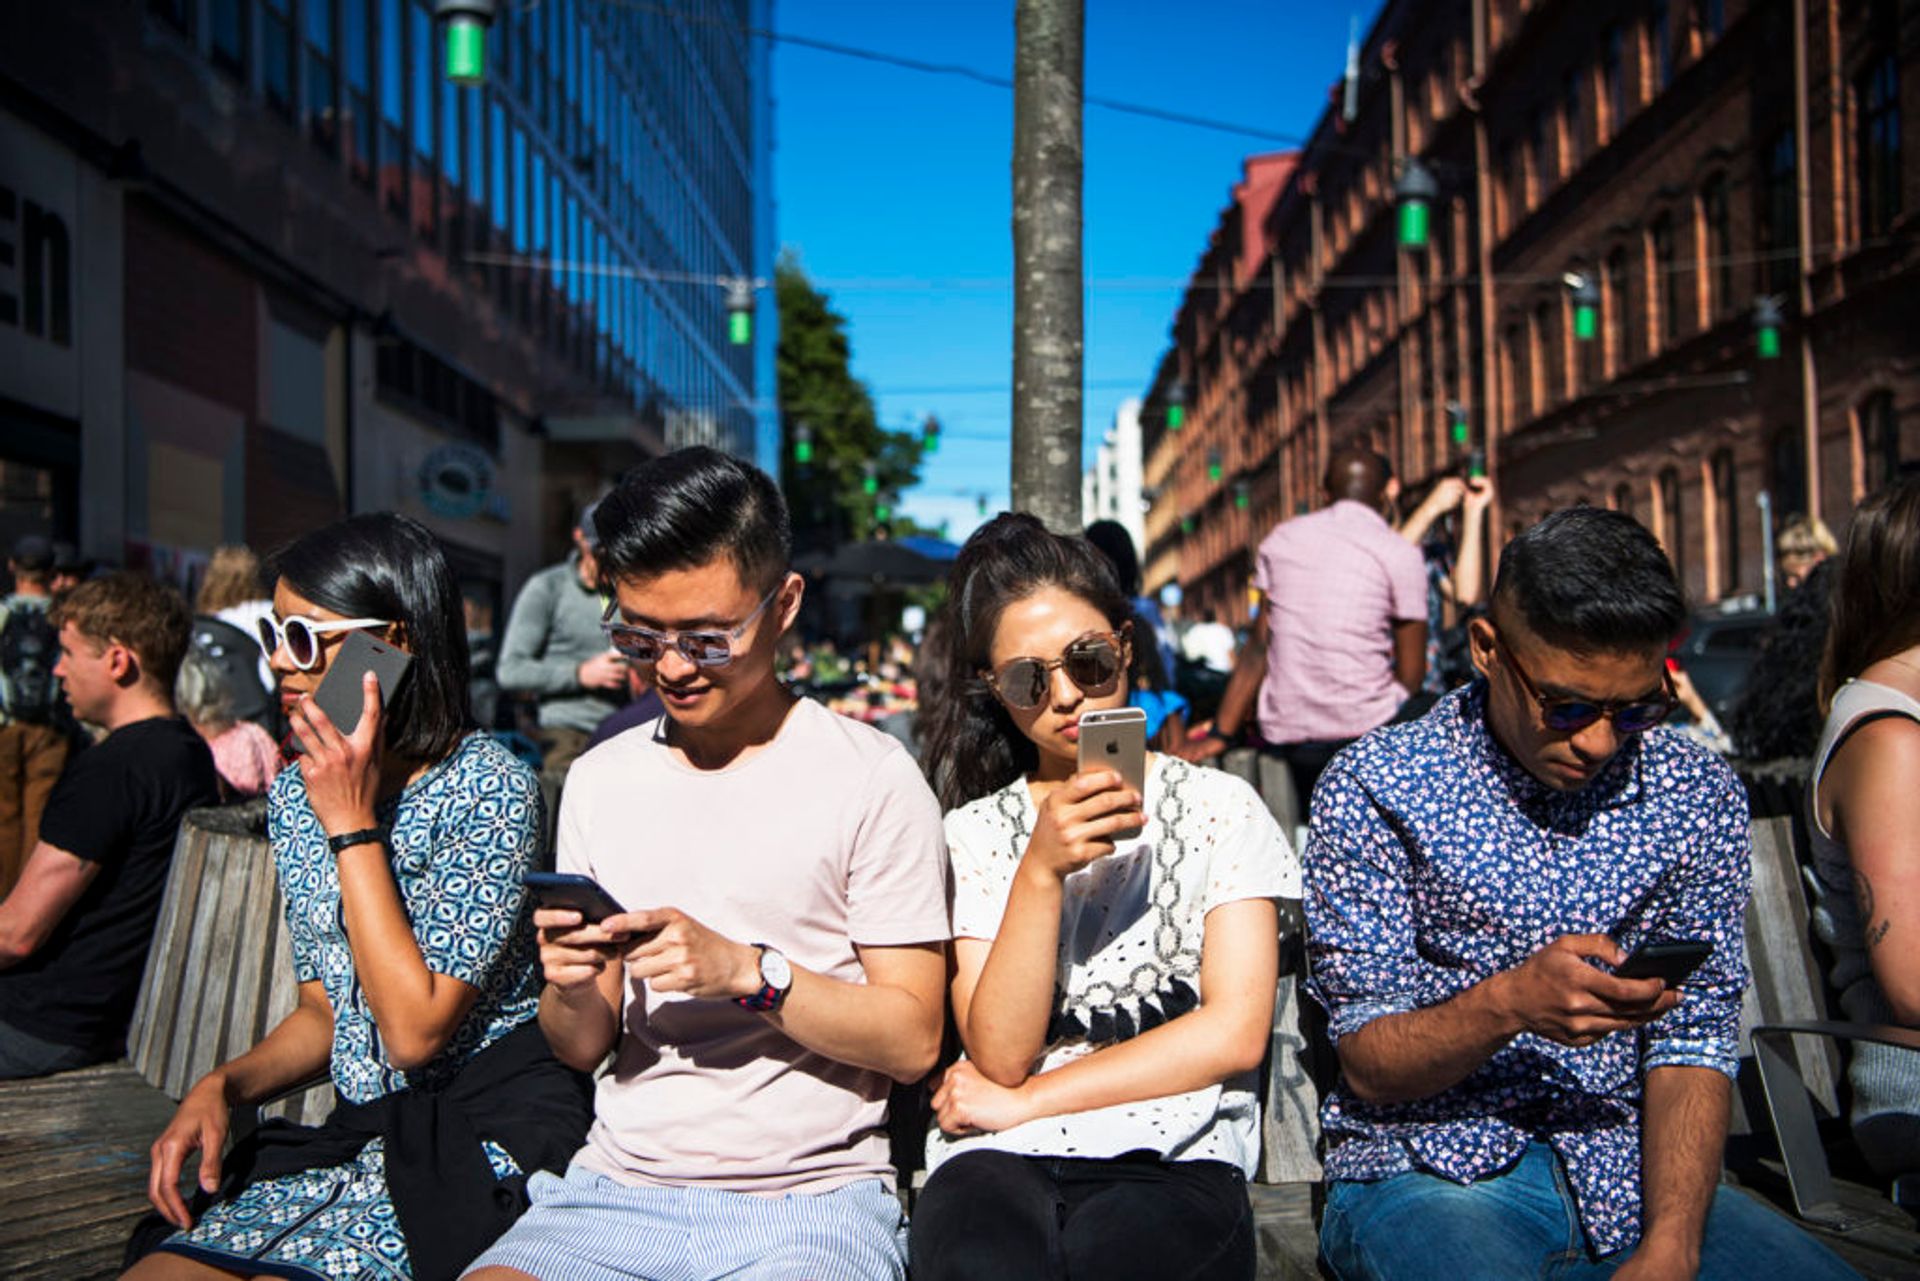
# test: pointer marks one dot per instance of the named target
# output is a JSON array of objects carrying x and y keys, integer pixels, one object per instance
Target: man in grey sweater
[{"x": 555, "y": 650}]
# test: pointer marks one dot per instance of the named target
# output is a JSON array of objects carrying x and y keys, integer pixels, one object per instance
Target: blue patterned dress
[{"x": 462, "y": 835}]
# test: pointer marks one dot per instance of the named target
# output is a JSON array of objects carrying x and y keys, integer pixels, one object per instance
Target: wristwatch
[
  {"x": 776, "y": 979},
  {"x": 365, "y": 836}
]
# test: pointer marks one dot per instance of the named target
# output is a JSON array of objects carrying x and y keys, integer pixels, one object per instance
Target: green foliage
[{"x": 819, "y": 393}]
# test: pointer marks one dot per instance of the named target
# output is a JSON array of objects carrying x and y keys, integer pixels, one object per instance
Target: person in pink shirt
[
  {"x": 245, "y": 754},
  {"x": 1340, "y": 640}
]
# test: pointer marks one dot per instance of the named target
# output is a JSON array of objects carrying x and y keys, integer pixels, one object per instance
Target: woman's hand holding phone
[
  {"x": 1078, "y": 820},
  {"x": 342, "y": 771}
]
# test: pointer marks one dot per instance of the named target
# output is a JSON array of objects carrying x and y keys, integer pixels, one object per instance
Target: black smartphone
[
  {"x": 340, "y": 695},
  {"x": 570, "y": 890},
  {"x": 1669, "y": 960}
]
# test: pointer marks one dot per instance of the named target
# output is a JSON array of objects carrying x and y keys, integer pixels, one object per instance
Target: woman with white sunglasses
[{"x": 400, "y": 849}]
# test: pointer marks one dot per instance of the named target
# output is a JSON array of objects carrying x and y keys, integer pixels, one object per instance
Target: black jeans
[{"x": 1020, "y": 1218}]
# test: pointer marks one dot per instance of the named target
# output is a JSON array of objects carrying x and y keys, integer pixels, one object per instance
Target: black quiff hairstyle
[
  {"x": 685, "y": 509},
  {"x": 971, "y": 746},
  {"x": 383, "y": 565},
  {"x": 1587, "y": 579}
]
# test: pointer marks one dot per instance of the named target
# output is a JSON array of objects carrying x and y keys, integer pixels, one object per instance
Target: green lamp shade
[
  {"x": 871, "y": 484},
  {"x": 1414, "y": 221},
  {"x": 882, "y": 514},
  {"x": 1767, "y": 341},
  {"x": 740, "y": 327},
  {"x": 1241, "y": 497},
  {"x": 1586, "y": 322},
  {"x": 803, "y": 451},
  {"x": 1460, "y": 431},
  {"x": 1176, "y": 415},
  {"x": 466, "y": 51},
  {"x": 930, "y": 443},
  {"x": 1186, "y": 525}
]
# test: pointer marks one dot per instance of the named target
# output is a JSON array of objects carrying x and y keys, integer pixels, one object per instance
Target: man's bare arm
[
  {"x": 1683, "y": 1135},
  {"x": 1249, "y": 669},
  {"x": 1410, "y": 653},
  {"x": 49, "y": 885}
]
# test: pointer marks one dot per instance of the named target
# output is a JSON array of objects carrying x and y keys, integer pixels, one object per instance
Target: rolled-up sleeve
[
  {"x": 1709, "y": 902},
  {"x": 1359, "y": 919}
]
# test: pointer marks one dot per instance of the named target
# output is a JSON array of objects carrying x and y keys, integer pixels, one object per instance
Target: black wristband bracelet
[{"x": 365, "y": 836}]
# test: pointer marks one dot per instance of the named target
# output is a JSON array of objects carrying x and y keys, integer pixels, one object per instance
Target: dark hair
[
  {"x": 683, "y": 509},
  {"x": 1589, "y": 579},
  {"x": 1144, "y": 668},
  {"x": 382, "y": 565},
  {"x": 1876, "y": 592},
  {"x": 1778, "y": 713},
  {"x": 1114, "y": 542},
  {"x": 973, "y": 747},
  {"x": 125, "y": 608}
]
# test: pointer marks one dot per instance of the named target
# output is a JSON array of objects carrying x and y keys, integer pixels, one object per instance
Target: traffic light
[
  {"x": 803, "y": 444},
  {"x": 1586, "y": 305},
  {"x": 1414, "y": 191},
  {"x": 467, "y": 22},
  {"x": 1176, "y": 406},
  {"x": 981, "y": 505},
  {"x": 740, "y": 312},
  {"x": 870, "y": 482},
  {"x": 930, "y": 435},
  {"x": 1767, "y": 320}
]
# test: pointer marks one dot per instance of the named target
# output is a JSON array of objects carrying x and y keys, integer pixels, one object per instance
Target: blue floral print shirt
[{"x": 1434, "y": 860}]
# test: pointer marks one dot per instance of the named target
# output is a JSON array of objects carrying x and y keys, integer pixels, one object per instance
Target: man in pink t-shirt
[
  {"x": 1340, "y": 641},
  {"x": 781, "y": 958}
]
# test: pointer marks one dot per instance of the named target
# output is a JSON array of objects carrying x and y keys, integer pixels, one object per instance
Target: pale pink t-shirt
[{"x": 825, "y": 838}]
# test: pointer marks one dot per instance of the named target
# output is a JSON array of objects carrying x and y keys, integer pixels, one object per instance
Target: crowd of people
[{"x": 789, "y": 913}]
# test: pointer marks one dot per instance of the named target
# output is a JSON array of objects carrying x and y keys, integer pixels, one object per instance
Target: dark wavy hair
[
  {"x": 972, "y": 747},
  {"x": 1876, "y": 591},
  {"x": 383, "y": 565},
  {"x": 1778, "y": 712}
]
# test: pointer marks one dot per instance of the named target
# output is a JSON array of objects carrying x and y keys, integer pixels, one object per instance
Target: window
[
  {"x": 392, "y": 163},
  {"x": 1877, "y": 149},
  {"x": 1623, "y": 499},
  {"x": 1539, "y": 157},
  {"x": 1779, "y": 213},
  {"x": 1717, "y": 271},
  {"x": 1546, "y": 359},
  {"x": 420, "y": 118},
  {"x": 1709, "y": 20},
  {"x": 276, "y": 55},
  {"x": 1726, "y": 510},
  {"x": 1667, "y": 287},
  {"x": 356, "y": 60},
  {"x": 1672, "y": 531},
  {"x": 227, "y": 35},
  {"x": 177, "y": 14},
  {"x": 1660, "y": 43},
  {"x": 323, "y": 120},
  {"x": 1572, "y": 128},
  {"x": 1510, "y": 375},
  {"x": 1613, "y": 80},
  {"x": 1787, "y": 472},
  {"x": 1616, "y": 300},
  {"x": 1879, "y": 441}
]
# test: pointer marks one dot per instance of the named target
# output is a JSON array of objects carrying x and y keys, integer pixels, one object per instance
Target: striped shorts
[{"x": 588, "y": 1227}]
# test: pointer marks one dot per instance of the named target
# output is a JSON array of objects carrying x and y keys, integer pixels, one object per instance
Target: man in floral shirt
[{"x": 1508, "y": 1105}]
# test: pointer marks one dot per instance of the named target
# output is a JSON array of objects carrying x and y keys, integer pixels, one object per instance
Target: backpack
[
  {"x": 236, "y": 656},
  {"x": 29, "y": 648}
]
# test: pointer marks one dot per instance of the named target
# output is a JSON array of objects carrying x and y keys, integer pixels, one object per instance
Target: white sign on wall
[{"x": 39, "y": 270}]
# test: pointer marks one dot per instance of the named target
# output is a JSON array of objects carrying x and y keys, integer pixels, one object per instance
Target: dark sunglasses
[
  {"x": 1094, "y": 663},
  {"x": 1570, "y": 715}
]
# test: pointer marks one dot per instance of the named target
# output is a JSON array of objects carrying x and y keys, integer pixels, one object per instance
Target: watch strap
[{"x": 365, "y": 836}]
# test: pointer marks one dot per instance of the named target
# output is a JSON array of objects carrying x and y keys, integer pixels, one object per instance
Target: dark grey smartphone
[
  {"x": 340, "y": 695},
  {"x": 571, "y": 890},
  {"x": 1116, "y": 739},
  {"x": 1670, "y": 960}
]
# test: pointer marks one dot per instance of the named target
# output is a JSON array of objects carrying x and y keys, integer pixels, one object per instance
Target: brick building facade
[{"x": 1687, "y": 157}]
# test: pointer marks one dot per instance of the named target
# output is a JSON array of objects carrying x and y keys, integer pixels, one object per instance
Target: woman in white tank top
[{"x": 1864, "y": 815}]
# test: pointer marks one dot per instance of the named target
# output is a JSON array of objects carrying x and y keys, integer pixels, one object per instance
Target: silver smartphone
[{"x": 1116, "y": 739}]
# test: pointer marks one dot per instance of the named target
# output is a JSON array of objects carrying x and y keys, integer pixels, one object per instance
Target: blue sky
[{"x": 895, "y": 188}]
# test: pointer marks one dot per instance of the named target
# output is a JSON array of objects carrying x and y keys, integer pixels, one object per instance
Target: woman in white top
[
  {"x": 1114, "y": 996},
  {"x": 1866, "y": 814}
]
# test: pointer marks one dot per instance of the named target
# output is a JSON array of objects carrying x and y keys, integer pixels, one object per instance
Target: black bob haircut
[
  {"x": 1586, "y": 579},
  {"x": 687, "y": 508},
  {"x": 383, "y": 565}
]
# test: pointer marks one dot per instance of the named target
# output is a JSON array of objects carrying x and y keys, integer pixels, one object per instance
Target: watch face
[{"x": 774, "y": 970}]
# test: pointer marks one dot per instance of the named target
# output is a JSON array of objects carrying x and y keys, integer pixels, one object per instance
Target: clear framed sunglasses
[
  {"x": 1094, "y": 663},
  {"x": 301, "y": 635},
  {"x": 701, "y": 648}
]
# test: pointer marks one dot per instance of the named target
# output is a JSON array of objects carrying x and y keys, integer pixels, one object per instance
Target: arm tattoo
[{"x": 1863, "y": 898}]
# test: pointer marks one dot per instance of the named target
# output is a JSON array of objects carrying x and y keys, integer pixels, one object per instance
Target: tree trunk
[{"x": 1047, "y": 294}]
